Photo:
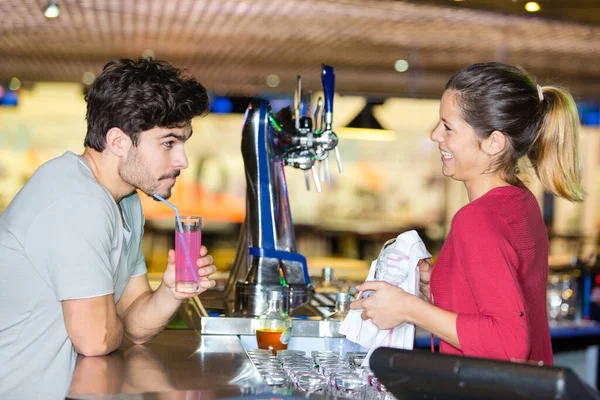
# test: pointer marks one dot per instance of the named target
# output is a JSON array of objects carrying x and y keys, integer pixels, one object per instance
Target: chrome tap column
[{"x": 266, "y": 257}]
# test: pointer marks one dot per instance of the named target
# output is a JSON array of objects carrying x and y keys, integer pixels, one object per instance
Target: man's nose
[{"x": 181, "y": 161}]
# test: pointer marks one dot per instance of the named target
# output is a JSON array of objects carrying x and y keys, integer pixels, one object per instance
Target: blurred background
[{"x": 391, "y": 59}]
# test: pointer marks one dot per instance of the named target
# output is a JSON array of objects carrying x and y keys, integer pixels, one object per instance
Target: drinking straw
[{"x": 184, "y": 245}]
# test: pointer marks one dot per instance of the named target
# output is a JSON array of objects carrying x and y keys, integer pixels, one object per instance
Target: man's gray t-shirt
[{"x": 61, "y": 238}]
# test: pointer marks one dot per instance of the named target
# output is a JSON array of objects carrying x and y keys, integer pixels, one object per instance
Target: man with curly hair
[{"x": 70, "y": 242}]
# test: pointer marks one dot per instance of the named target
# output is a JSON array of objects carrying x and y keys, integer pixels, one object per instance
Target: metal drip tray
[{"x": 247, "y": 326}]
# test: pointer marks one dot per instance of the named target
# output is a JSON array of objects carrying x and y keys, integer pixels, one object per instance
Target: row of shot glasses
[{"x": 324, "y": 372}]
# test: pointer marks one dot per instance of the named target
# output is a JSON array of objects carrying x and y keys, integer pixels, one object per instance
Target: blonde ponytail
[
  {"x": 541, "y": 123},
  {"x": 555, "y": 154}
]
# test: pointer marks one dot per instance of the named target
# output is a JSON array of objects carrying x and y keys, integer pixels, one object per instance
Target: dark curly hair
[{"x": 138, "y": 95}]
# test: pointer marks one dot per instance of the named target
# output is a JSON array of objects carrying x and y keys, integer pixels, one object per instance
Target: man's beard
[
  {"x": 135, "y": 173},
  {"x": 167, "y": 194}
]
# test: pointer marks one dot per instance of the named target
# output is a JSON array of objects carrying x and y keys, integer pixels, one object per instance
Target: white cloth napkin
[{"x": 396, "y": 264}]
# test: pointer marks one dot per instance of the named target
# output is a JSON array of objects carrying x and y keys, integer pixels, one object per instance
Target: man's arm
[
  {"x": 146, "y": 313},
  {"x": 93, "y": 325}
]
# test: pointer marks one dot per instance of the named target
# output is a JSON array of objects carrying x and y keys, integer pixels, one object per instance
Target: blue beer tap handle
[{"x": 328, "y": 80}]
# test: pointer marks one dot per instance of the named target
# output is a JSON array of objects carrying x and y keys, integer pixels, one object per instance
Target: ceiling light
[
  {"x": 401, "y": 65},
  {"x": 88, "y": 78},
  {"x": 366, "y": 127},
  {"x": 15, "y": 84},
  {"x": 273, "y": 80},
  {"x": 52, "y": 10},
  {"x": 148, "y": 53},
  {"x": 532, "y": 6}
]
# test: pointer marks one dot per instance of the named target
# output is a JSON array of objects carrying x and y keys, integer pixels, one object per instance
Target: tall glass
[{"x": 187, "y": 253}]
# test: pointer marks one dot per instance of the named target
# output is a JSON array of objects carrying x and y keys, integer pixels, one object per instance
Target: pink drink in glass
[{"x": 187, "y": 252}]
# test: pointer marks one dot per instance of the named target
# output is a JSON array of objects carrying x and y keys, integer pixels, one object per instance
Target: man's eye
[
  {"x": 445, "y": 126},
  {"x": 168, "y": 145}
]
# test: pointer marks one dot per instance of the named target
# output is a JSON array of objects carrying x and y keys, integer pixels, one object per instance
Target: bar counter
[{"x": 177, "y": 364}]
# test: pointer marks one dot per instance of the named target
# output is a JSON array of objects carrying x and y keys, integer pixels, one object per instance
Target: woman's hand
[
  {"x": 425, "y": 269},
  {"x": 387, "y": 307}
]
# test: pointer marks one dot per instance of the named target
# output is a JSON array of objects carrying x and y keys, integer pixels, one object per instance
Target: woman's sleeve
[{"x": 500, "y": 329}]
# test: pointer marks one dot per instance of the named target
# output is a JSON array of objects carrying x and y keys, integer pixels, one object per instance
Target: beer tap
[
  {"x": 318, "y": 141},
  {"x": 304, "y": 160},
  {"x": 316, "y": 115},
  {"x": 266, "y": 254},
  {"x": 327, "y": 138},
  {"x": 297, "y": 102}
]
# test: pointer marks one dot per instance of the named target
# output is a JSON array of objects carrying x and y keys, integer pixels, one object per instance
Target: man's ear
[
  {"x": 495, "y": 143},
  {"x": 117, "y": 142}
]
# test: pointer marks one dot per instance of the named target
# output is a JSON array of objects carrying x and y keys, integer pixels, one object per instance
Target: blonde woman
[{"x": 487, "y": 291}]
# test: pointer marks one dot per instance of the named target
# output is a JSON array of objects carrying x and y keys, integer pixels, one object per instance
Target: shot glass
[
  {"x": 275, "y": 378},
  {"x": 290, "y": 353},
  {"x": 187, "y": 253},
  {"x": 349, "y": 385},
  {"x": 310, "y": 382}
]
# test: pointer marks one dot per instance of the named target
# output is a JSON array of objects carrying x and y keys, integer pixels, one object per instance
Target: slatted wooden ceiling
[{"x": 233, "y": 45}]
